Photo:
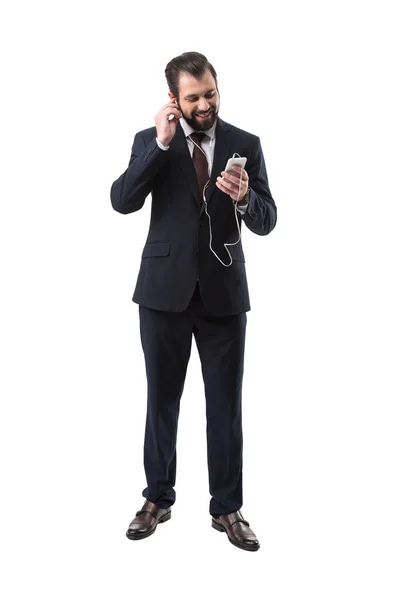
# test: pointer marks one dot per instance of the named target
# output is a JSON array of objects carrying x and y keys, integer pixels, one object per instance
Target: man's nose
[{"x": 203, "y": 105}]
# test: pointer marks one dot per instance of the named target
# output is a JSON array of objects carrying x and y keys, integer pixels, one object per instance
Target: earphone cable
[{"x": 209, "y": 217}]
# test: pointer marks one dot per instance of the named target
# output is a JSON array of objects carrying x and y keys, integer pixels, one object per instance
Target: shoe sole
[
  {"x": 141, "y": 536},
  {"x": 219, "y": 527}
]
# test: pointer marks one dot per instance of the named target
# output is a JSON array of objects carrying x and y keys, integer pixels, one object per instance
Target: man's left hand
[{"x": 229, "y": 183}]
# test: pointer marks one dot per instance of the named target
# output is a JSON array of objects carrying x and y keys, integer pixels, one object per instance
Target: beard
[{"x": 200, "y": 124}]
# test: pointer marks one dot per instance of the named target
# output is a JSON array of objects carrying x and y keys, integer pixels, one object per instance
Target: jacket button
[{"x": 195, "y": 252}]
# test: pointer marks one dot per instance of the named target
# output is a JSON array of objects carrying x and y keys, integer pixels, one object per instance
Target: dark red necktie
[{"x": 200, "y": 161}]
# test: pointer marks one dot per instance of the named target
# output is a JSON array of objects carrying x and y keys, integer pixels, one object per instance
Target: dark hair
[{"x": 193, "y": 63}]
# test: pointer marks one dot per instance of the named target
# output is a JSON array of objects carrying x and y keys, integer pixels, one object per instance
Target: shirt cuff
[
  {"x": 160, "y": 145},
  {"x": 242, "y": 209}
]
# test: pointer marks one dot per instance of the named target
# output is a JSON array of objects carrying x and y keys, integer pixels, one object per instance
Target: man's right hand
[{"x": 166, "y": 128}]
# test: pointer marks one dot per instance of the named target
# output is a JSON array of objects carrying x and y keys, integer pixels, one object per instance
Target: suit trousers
[{"x": 166, "y": 341}]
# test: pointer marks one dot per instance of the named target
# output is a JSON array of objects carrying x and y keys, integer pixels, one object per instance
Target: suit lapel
[
  {"x": 180, "y": 148},
  {"x": 222, "y": 151}
]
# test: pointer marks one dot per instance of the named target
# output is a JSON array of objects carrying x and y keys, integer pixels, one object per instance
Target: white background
[{"x": 318, "y": 83}]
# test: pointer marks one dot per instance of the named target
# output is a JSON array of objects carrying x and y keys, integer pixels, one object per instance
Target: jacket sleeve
[
  {"x": 261, "y": 214},
  {"x": 131, "y": 189}
]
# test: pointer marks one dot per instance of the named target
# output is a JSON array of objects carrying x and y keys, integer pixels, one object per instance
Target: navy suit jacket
[{"x": 176, "y": 253}]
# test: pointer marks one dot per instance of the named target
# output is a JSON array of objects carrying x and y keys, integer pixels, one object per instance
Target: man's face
[{"x": 198, "y": 100}]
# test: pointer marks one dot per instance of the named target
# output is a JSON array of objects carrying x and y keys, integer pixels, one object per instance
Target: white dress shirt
[{"x": 208, "y": 145}]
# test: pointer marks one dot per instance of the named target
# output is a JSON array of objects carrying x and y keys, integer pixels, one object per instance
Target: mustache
[{"x": 205, "y": 113}]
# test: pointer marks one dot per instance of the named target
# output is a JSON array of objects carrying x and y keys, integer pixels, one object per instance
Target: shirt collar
[{"x": 188, "y": 130}]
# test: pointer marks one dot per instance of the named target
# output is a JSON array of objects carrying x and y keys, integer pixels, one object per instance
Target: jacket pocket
[
  {"x": 237, "y": 253},
  {"x": 156, "y": 249}
]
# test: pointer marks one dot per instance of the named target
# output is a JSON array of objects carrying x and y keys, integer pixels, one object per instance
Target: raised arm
[{"x": 130, "y": 190}]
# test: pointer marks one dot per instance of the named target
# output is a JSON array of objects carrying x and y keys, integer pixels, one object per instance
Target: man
[{"x": 188, "y": 284}]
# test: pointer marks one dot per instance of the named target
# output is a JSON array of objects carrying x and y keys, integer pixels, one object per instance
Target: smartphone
[{"x": 235, "y": 161}]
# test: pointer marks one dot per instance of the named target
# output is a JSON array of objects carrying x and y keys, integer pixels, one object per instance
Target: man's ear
[{"x": 172, "y": 96}]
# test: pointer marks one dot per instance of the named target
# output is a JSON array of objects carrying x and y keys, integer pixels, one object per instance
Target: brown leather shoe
[
  {"x": 237, "y": 530},
  {"x": 146, "y": 520}
]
